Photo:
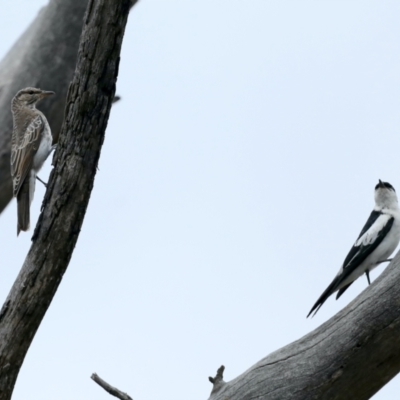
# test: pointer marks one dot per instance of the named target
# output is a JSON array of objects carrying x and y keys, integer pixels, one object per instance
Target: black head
[{"x": 384, "y": 185}]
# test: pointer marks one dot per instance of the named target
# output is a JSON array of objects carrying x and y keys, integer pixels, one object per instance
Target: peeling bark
[{"x": 88, "y": 104}]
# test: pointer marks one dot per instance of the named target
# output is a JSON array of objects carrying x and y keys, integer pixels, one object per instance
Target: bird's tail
[
  {"x": 328, "y": 291},
  {"x": 24, "y": 199}
]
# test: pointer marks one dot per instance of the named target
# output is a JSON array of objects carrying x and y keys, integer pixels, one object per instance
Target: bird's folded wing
[
  {"x": 23, "y": 151},
  {"x": 370, "y": 221},
  {"x": 369, "y": 239},
  {"x": 372, "y": 234}
]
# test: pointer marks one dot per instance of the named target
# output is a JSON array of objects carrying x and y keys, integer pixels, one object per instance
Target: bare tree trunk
[
  {"x": 87, "y": 110},
  {"x": 45, "y": 57},
  {"x": 351, "y": 356}
]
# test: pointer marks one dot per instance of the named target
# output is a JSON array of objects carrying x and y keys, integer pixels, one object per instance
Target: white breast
[{"x": 44, "y": 148}]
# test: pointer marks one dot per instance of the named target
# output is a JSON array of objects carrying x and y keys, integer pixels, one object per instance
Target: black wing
[
  {"x": 328, "y": 291},
  {"x": 355, "y": 257},
  {"x": 359, "y": 253},
  {"x": 371, "y": 220}
]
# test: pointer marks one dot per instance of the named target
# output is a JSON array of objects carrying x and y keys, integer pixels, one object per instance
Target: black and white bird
[
  {"x": 376, "y": 242},
  {"x": 31, "y": 144}
]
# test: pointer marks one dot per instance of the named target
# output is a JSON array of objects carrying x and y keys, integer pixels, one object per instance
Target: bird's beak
[
  {"x": 46, "y": 94},
  {"x": 381, "y": 185}
]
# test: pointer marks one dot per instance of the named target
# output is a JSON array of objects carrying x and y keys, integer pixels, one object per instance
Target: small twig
[
  {"x": 110, "y": 389},
  {"x": 218, "y": 380}
]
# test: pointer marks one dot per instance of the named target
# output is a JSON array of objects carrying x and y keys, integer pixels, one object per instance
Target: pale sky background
[{"x": 237, "y": 171}]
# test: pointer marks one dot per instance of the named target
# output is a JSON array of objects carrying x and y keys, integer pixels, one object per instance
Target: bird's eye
[{"x": 30, "y": 92}]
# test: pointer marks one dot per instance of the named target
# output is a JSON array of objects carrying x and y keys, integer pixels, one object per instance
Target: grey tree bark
[
  {"x": 87, "y": 110},
  {"x": 45, "y": 57},
  {"x": 351, "y": 356},
  {"x": 110, "y": 389}
]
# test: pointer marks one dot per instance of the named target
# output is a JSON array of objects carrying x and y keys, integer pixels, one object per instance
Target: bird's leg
[
  {"x": 44, "y": 183},
  {"x": 367, "y": 273},
  {"x": 388, "y": 260},
  {"x": 52, "y": 149},
  {"x": 379, "y": 262}
]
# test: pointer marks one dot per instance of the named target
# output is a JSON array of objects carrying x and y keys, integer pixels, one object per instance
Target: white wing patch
[{"x": 371, "y": 235}]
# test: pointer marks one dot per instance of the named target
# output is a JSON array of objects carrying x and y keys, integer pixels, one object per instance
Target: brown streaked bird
[{"x": 31, "y": 144}]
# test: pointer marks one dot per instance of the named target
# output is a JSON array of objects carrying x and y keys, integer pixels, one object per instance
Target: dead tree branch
[
  {"x": 110, "y": 389},
  {"x": 218, "y": 380},
  {"x": 87, "y": 110},
  {"x": 351, "y": 356}
]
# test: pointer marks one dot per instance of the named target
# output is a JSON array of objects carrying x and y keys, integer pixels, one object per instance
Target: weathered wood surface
[
  {"x": 110, "y": 389},
  {"x": 44, "y": 57},
  {"x": 351, "y": 356},
  {"x": 88, "y": 106}
]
